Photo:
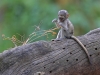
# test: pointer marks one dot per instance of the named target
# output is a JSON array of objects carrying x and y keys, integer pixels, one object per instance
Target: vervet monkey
[{"x": 67, "y": 29}]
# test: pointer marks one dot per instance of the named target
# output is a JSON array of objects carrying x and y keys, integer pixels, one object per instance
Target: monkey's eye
[{"x": 61, "y": 15}]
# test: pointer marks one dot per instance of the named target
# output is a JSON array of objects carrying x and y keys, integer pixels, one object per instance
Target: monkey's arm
[{"x": 70, "y": 27}]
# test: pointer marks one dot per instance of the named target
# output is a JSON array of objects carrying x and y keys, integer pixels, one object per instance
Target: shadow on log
[{"x": 64, "y": 57}]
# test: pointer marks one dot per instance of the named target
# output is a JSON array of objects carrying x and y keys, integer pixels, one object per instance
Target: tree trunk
[{"x": 61, "y": 57}]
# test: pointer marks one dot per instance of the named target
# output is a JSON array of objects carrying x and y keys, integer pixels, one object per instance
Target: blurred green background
[{"x": 21, "y": 18}]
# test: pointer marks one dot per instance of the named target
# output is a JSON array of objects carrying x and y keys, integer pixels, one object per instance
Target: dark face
[
  {"x": 61, "y": 18},
  {"x": 62, "y": 15}
]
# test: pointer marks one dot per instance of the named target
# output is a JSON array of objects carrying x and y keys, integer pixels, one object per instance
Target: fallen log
[{"x": 61, "y": 57}]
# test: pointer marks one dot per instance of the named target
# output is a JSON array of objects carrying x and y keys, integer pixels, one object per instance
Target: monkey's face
[
  {"x": 63, "y": 15},
  {"x": 62, "y": 18}
]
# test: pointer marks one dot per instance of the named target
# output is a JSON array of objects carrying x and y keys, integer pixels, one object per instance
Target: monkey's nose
[{"x": 61, "y": 18}]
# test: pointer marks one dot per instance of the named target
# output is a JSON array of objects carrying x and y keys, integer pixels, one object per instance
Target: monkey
[
  {"x": 39, "y": 73},
  {"x": 67, "y": 29}
]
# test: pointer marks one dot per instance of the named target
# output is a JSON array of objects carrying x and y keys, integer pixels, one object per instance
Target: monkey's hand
[{"x": 54, "y": 20}]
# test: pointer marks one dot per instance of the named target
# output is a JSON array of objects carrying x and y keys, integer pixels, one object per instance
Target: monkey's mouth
[{"x": 61, "y": 19}]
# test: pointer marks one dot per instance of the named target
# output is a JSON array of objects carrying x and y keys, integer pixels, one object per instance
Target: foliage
[{"x": 21, "y": 18}]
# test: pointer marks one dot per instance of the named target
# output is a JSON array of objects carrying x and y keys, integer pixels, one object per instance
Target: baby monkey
[{"x": 67, "y": 29}]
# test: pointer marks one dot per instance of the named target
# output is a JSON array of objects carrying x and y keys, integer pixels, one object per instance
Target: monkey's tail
[{"x": 80, "y": 43}]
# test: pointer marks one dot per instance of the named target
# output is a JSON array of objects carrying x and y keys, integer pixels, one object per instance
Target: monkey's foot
[{"x": 55, "y": 39}]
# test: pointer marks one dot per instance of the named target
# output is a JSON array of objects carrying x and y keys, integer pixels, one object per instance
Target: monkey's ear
[{"x": 67, "y": 15}]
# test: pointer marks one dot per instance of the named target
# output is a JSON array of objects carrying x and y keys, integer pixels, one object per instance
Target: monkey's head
[{"x": 63, "y": 15}]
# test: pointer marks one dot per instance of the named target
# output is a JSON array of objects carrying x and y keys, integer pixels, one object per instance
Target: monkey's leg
[{"x": 58, "y": 36}]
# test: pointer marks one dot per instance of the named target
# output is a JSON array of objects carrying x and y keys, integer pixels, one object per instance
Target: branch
[{"x": 53, "y": 57}]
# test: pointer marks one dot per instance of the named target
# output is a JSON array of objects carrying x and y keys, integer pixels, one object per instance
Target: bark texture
[{"x": 64, "y": 57}]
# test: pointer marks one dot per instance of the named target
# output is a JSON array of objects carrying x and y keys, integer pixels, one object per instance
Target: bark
[{"x": 61, "y": 57}]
